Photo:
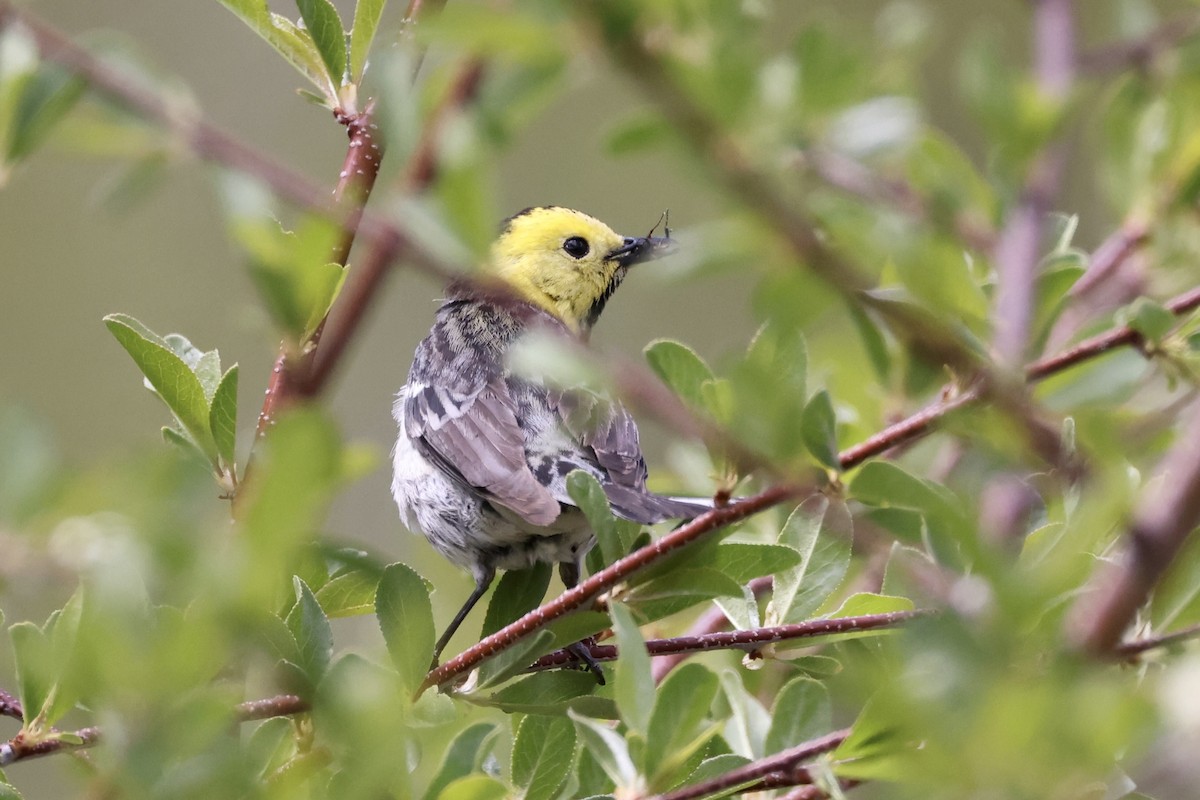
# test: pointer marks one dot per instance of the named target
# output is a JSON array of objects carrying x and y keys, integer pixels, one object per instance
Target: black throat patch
[{"x": 598, "y": 305}]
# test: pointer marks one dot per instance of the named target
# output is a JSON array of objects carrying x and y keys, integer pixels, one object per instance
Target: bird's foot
[{"x": 582, "y": 651}]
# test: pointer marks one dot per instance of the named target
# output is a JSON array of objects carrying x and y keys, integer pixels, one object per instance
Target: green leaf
[
  {"x": 608, "y": 747},
  {"x": 34, "y": 659},
  {"x": 746, "y": 731},
  {"x": 367, "y": 14},
  {"x": 679, "y": 589},
  {"x": 463, "y": 756},
  {"x": 1148, "y": 318},
  {"x": 542, "y": 756},
  {"x": 517, "y": 592},
  {"x": 8, "y": 791},
  {"x": 406, "y": 619},
  {"x": 677, "y": 728},
  {"x": 553, "y": 693},
  {"x": 293, "y": 43},
  {"x": 680, "y": 368},
  {"x": 745, "y": 561},
  {"x": 168, "y": 375},
  {"x": 819, "y": 429},
  {"x": 802, "y": 711},
  {"x": 222, "y": 417},
  {"x": 475, "y": 787},
  {"x": 514, "y": 659},
  {"x": 309, "y": 625},
  {"x": 633, "y": 686},
  {"x": 46, "y": 98},
  {"x": 323, "y": 24},
  {"x": 585, "y": 491},
  {"x": 819, "y": 530},
  {"x": 865, "y": 603},
  {"x": 717, "y": 765},
  {"x": 349, "y": 594},
  {"x": 873, "y": 342}
]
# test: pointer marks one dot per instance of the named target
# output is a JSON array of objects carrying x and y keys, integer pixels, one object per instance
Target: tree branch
[
  {"x": 749, "y": 639},
  {"x": 1168, "y": 512},
  {"x": 713, "y": 620},
  {"x": 1138, "y": 646},
  {"x": 750, "y": 773},
  {"x": 605, "y": 579},
  {"x": 1142, "y": 51}
]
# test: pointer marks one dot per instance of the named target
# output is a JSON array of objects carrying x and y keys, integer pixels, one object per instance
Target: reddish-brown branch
[
  {"x": 360, "y": 169},
  {"x": 750, "y": 773},
  {"x": 367, "y": 276},
  {"x": 283, "y": 705},
  {"x": 1168, "y": 512},
  {"x": 713, "y": 620},
  {"x": 11, "y": 707},
  {"x": 17, "y": 749},
  {"x": 605, "y": 579},
  {"x": 749, "y": 639},
  {"x": 816, "y": 792}
]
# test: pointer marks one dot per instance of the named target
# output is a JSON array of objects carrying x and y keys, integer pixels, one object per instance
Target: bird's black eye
[{"x": 576, "y": 247}]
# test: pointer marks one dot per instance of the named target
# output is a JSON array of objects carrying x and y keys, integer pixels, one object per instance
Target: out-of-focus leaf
[
  {"x": 542, "y": 756},
  {"x": 633, "y": 686},
  {"x": 462, "y": 757},
  {"x": 33, "y": 656},
  {"x": 819, "y": 428},
  {"x": 475, "y": 787},
  {"x": 680, "y": 368},
  {"x": 406, "y": 619},
  {"x": 46, "y": 98},
  {"x": 1148, "y": 318}
]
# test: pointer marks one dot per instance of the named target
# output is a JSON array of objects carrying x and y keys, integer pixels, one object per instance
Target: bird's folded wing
[
  {"x": 608, "y": 430},
  {"x": 476, "y": 439}
]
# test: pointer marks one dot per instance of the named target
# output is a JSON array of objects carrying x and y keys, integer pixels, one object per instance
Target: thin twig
[
  {"x": 1138, "y": 646},
  {"x": 11, "y": 707},
  {"x": 714, "y": 620},
  {"x": 283, "y": 705},
  {"x": 1020, "y": 241},
  {"x": 17, "y": 749},
  {"x": 1142, "y": 51},
  {"x": 367, "y": 277},
  {"x": 757, "y": 770},
  {"x": 1167, "y": 513},
  {"x": 749, "y": 639}
]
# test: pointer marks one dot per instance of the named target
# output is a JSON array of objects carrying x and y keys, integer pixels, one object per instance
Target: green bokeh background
[{"x": 69, "y": 257}]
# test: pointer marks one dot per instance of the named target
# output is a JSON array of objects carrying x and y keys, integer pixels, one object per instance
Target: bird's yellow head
[{"x": 567, "y": 262}]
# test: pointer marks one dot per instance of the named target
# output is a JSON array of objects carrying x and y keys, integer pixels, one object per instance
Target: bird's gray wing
[
  {"x": 609, "y": 440},
  {"x": 475, "y": 438},
  {"x": 608, "y": 431}
]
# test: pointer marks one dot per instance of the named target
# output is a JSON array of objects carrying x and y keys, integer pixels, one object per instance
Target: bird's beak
[{"x": 642, "y": 248}]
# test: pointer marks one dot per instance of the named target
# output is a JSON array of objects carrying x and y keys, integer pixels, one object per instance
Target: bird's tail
[{"x": 648, "y": 508}]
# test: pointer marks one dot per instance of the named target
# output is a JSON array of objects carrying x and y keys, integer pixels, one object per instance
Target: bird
[{"x": 482, "y": 454}]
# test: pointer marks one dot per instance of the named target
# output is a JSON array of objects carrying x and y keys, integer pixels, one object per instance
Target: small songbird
[{"x": 482, "y": 457}]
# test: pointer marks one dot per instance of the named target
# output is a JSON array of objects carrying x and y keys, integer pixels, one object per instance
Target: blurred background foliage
[{"x": 932, "y": 102}]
